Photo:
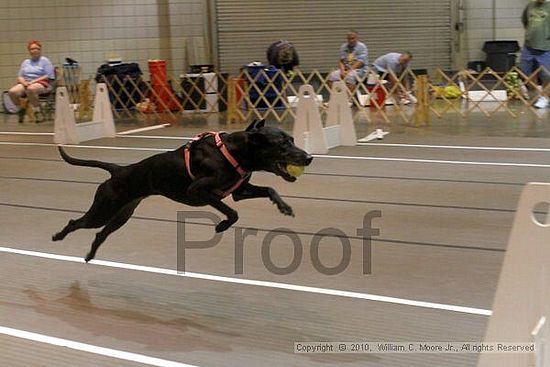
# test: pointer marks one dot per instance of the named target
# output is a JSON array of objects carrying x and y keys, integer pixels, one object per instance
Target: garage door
[{"x": 317, "y": 28}]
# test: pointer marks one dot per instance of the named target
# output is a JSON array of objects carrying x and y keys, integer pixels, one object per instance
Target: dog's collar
[{"x": 225, "y": 152}]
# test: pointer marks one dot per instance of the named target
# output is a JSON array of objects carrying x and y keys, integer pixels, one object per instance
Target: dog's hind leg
[
  {"x": 117, "y": 221},
  {"x": 102, "y": 210},
  {"x": 86, "y": 221},
  {"x": 72, "y": 226}
]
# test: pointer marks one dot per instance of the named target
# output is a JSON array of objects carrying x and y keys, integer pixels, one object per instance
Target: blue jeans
[{"x": 532, "y": 59}]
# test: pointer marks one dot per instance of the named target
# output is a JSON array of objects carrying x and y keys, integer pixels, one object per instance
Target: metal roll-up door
[{"x": 245, "y": 28}]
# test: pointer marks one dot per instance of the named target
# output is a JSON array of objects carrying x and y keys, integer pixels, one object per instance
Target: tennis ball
[{"x": 294, "y": 171}]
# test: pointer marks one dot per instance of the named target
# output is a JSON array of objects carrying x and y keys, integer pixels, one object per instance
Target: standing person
[
  {"x": 283, "y": 55},
  {"x": 33, "y": 79},
  {"x": 393, "y": 65},
  {"x": 536, "y": 50},
  {"x": 353, "y": 62}
]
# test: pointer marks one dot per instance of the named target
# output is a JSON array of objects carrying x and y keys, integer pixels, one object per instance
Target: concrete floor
[{"x": 446, "y": 216}]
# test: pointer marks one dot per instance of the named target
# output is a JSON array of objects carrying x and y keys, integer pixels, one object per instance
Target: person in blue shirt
[
  {"x": 353, "y": 62},
  {"x": 394, "y": 62},
  {"x": 391, "y": 66},
  {"x": 34, "y": 78}
]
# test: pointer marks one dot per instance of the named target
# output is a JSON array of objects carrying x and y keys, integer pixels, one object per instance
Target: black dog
[{"x": 208, "y": 175}]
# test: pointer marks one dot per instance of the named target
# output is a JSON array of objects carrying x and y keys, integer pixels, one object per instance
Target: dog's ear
[
  {"x": 257, "y": 139},
  {"x": 255, "y": 125}
]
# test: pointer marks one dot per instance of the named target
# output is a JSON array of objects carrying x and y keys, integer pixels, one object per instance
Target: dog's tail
[{"x": 111, "y": 167}]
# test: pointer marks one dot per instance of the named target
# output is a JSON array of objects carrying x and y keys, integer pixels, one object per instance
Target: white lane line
[
  {"x": 108, "y": 352},
  {"x": 24, "y": 133},
  {"x": 434, "y": 161},
  {"x": 127, "y": 134},
  {"x": 259, "y": 283},
  {"x": 141, "y": 129},
  {"x": 462, "y": 147},
  {"x": 322, "y": 156},
  {"x": 160, "y": 137},
  {"x": 87, "y": 146}
]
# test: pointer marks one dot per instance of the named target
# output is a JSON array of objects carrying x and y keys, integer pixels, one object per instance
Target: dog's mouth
[
  {"x": 292, "y": 168},
  {"x": 281, "y": 170}
]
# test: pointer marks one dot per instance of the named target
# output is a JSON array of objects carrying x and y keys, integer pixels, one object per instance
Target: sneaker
[
  {"x": 542, "y": 102},
  {"x": 370, "y": 137},
  {"x": 379, "y": 134}
]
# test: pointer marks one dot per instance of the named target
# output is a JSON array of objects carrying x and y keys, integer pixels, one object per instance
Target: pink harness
[{"x": 223, "y": 149}]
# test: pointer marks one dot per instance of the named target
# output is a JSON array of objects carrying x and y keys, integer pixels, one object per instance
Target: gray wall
[
  {"x": 92, "y": 31},
  {"x": 318, "y": 28},
  {"x": 487, "y": 20}
]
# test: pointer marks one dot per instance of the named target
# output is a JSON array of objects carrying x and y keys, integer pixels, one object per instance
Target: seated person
[
  {"x": 33, "y": 79},
  {"x": 283, "y": 55},
  {"x": 391, "y": 66},
  {"x": 353, "y": 62}
]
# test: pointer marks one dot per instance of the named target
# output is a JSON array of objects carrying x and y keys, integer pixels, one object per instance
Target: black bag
[
  {"x": 262, "y": 75},
  {"x": 125, "y": 82}
]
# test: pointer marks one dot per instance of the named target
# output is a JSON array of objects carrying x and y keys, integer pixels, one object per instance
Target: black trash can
[
  {"x": 501, "y": 55},
  {"x": 193, "y": 84}
]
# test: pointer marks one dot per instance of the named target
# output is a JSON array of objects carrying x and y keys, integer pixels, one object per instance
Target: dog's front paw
[{"x": 285, "y": 208}]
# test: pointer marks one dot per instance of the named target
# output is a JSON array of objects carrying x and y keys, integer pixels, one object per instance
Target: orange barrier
[{"x": 163, "y": 97}]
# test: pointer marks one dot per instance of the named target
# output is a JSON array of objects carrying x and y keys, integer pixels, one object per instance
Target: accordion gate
[{"x": 268, "y": 95}]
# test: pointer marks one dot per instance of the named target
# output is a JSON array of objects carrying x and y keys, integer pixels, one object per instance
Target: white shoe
[
  {"x": 542, "y": 102},
  {"x": 370, "y": 137},
  {"x": 377, "y": 134}
]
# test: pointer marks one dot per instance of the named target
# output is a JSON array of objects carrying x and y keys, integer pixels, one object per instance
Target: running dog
[{"x": 200, "y": 173}]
